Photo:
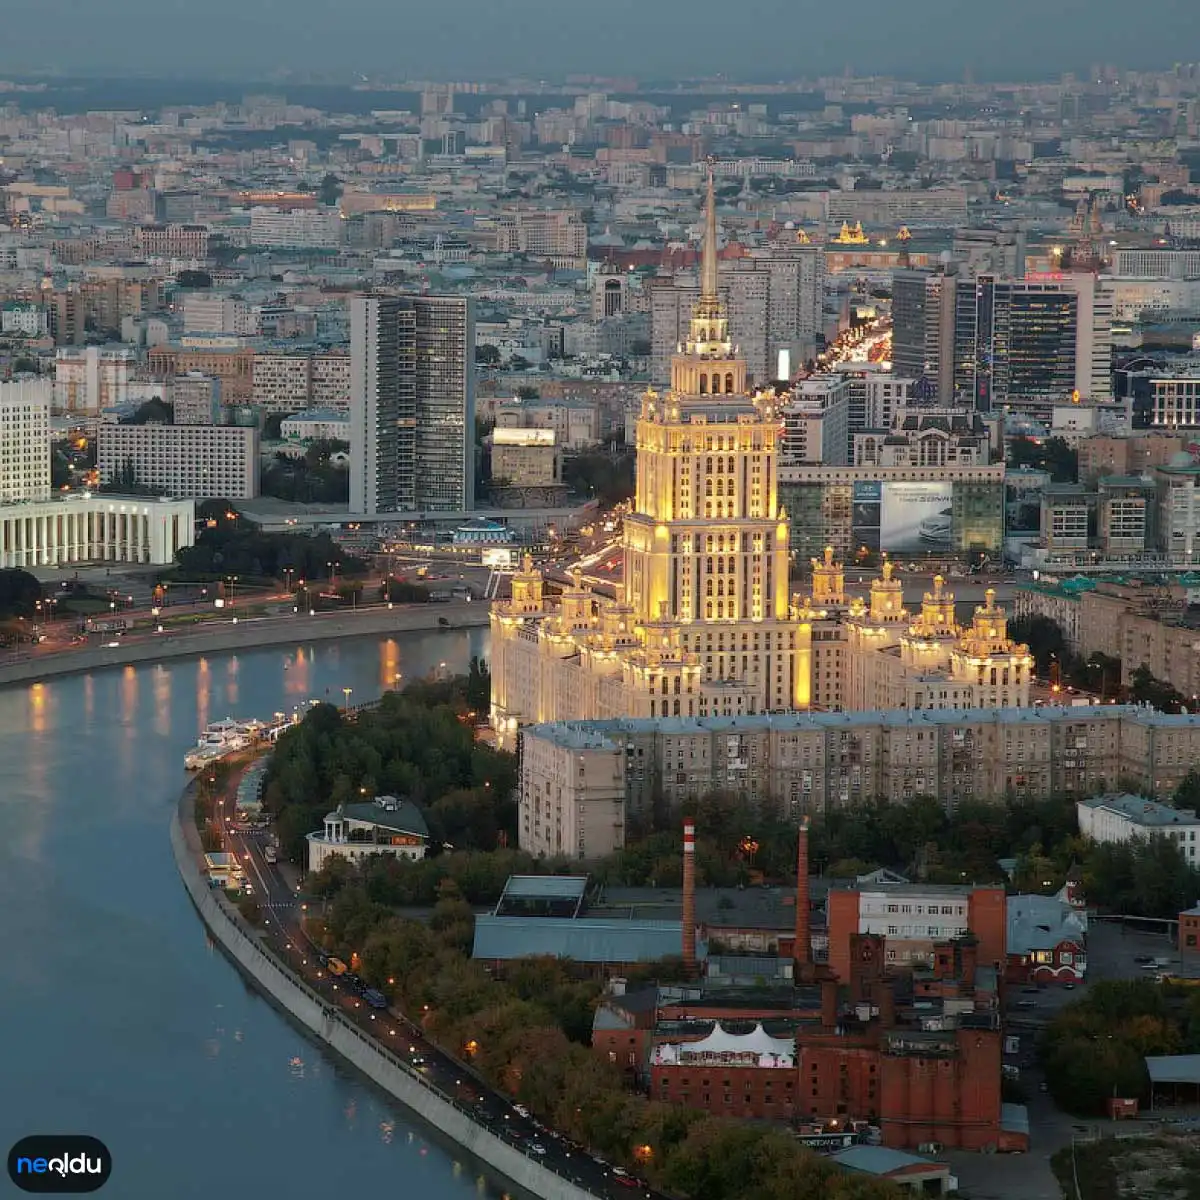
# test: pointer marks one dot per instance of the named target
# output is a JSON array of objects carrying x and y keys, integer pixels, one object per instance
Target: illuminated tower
[{"x": 706, "y": 549}]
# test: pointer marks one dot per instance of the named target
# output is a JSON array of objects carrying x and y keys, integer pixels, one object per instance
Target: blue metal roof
[
  {"x": 587, "y": 941},
  {"x": 545, "y": 887},
  {"x": 878, "y": 1160}
]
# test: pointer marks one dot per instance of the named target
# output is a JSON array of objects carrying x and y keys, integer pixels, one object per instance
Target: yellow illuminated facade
[
  {"x": 705, "y": 625},
  {"x": 893, "y": 659}
]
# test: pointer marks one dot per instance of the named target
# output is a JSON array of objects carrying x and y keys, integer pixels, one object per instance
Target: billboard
[
  {"x": 916, "y": 518},
  {"x": 864, "y": 519}
]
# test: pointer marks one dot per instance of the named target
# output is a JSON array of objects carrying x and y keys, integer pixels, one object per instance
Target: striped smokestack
[
  {"x": 802, "y": 949},
  {"x": 689, "y": 897}
]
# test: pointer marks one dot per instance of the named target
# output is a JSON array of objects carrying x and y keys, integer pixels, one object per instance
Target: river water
[{"x": 117, "y": 1018}]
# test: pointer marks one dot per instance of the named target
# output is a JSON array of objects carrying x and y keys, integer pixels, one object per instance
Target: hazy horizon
[{"x": 465, "y": 39}]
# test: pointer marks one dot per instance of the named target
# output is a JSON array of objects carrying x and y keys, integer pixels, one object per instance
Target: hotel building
[
  {"x": 202, "y": 461},
  {"x": 705, "y": 624}
]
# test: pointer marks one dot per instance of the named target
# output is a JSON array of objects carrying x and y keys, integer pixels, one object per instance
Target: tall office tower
[
  {"x": 1027, "y": 344},
  {"x": 705, "y": 625},
  {"x": 25, "y": 439},
  {"x": 412, "y": 404},
  {"x": 922, "y": 328}
]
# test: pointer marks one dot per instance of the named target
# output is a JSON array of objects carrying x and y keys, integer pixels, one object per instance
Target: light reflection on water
[{"x": 175, "y": 1048}]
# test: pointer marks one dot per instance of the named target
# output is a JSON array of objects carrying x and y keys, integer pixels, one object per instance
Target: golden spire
[{"x": 709, "y": 289}]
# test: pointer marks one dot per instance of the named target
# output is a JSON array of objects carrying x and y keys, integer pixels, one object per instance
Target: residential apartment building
[
  {"x": 298, "y": 229},
  {"x": 773, "y": 297},
  {"x": 230, "y": 361},
  {"x": 1121, "y": 817},
  {"x": 282, "y": 383},
  {"x": 571, "y": 805},
  {"x": 412, "y": 404},
  {"x": 195, "y": 399},
  {"x": 218, "y": 312},
  {"x": 791, "y": 764},
  {"x": 1142, "y": 451},
  {"x": 186, "y": 242},
  {"x": 88, "y": 379},
  {"x": 198, "y": 461},
  {"x": 816, "y": 421},
  {"x": 24, "y": 441}
]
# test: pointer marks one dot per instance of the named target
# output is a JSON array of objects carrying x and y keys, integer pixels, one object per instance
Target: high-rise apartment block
[
  {"x": 24, "y": 441},
  {"x": 412, "y": 404},
  {"x": 196, "y": 399}
]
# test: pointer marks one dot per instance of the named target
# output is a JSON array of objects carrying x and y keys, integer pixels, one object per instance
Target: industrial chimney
[
  {"x": 689, "y": 897},
  {"x": 802, "y": 949}
]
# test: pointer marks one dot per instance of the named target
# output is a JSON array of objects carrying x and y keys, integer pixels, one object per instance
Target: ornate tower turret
[{"x": 828, "y": 582}]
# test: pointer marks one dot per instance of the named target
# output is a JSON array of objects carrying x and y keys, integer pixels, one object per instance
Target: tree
[
  {"x": 19, "y": 593},
  {"x": 154, "y": 411},
  {"x": 527, "y": 392},
  {"x": 1187, "y": 794},
  {"x": 487, "y": 355},
  {"x": 1044, "y": 637},
  {"x": 329, "y": 190}
]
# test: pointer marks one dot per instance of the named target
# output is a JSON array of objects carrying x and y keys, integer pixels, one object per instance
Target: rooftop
[
  {"x": 586, "y": 941},
  {"x": 404, "y": 817},
  {"x": 879, "y": 1160},
  {"x": 1142, "y": 811}
]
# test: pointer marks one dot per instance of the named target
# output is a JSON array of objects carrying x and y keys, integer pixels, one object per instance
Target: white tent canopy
[{"x": 756, "y": 1048}]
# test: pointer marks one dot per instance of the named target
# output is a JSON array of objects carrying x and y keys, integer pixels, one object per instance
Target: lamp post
[{"x": 347, "y": 693}]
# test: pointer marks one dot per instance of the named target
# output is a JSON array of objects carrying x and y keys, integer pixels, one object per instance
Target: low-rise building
[
  {"x": 386, "y": 825},
  {"x": 526, "y": 458},
  {"x": 1123, "y": 817},
  {"x": 316, "y": 425},
  {"x": 1047, "y": 940}
]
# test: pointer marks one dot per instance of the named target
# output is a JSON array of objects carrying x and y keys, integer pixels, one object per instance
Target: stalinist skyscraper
[{"x": 705, "y": 625}]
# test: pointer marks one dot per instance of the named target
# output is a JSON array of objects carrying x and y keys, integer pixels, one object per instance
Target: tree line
[{"x": 528, "y": 1035}]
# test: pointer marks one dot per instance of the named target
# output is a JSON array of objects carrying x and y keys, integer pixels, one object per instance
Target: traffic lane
[{"x": 488, "y": 1107}]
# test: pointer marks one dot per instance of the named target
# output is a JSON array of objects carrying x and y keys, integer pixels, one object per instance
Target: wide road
[{"x": 283, "y": 914}]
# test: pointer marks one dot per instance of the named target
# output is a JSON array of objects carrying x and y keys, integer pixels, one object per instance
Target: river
[{"x": 119, "y": 1019}]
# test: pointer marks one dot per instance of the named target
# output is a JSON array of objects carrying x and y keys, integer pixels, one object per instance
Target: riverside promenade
[
  {"x": 246, "y": 948},
  {"x": 222, "y": 636}
]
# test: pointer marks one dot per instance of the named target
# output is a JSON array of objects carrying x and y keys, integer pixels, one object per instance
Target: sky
[{"x": 660, "y": 39}]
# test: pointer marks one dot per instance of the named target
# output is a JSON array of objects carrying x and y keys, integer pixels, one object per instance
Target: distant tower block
[
  {"x": 784, "y": 370},
  {"x": 689, "y": 897}
]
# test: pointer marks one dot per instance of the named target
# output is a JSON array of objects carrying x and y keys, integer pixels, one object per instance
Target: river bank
[
  {"x": 243, "y": 946},
  {"x": 246, "y": 635}
]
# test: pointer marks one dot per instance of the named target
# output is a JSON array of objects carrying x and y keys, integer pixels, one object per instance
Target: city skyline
[{"x": 1021, "y": 41}]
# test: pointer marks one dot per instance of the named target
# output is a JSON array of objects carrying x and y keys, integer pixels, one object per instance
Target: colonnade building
[{"x": 40, "y": 528}]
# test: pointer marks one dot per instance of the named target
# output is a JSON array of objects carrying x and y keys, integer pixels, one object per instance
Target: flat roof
[
  {"x": 1174, "y": 1068},
  {"x": 880, "y": 1160},
  {"x": 1142, "y": 811},
  {"x": 545, "y": 887},
  {"x": 586, "y": 941}
]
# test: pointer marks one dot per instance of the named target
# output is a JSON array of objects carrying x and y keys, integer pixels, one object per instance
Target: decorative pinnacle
[{"x": 708, "y": 260}]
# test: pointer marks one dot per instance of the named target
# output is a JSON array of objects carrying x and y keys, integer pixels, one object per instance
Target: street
[{"x": 282, "y": 916}]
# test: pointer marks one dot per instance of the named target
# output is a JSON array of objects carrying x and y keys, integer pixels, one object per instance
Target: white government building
[{"x": 39, "y": 528}]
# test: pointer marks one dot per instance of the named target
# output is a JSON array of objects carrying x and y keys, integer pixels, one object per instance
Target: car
[
  {"x": 1068, "y": 987},
  {"x": 625, "y": 1179},
  {"x": 418, "y": 1060},
  {"x": 1043, "y": 1086},
  {"x": 538, "y": 1149},
  {"x": 1143, "y": 960},
  {"x": 937, "y": 528},
  {"x": 1025, "y": 1004},
  {"x": 521, "y": 1111}
]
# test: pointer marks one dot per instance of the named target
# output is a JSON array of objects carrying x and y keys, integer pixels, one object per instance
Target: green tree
[{"x": 329, "y": 191}]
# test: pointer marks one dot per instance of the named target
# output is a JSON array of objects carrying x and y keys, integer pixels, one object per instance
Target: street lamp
[{"x": 347, "y": 692}]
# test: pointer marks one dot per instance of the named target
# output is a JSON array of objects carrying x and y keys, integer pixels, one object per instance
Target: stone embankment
[
  {"x": 251, "y": 634},
  {"x": 243, "y": 945}
]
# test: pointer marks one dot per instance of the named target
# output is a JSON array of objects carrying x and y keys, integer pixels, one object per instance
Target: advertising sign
[
  {"x": 864, "y": 520},
  {"x": 916, "y": 518}
]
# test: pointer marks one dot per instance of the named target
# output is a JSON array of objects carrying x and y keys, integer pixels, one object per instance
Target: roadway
[{"x": 489, "y": 1108}]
